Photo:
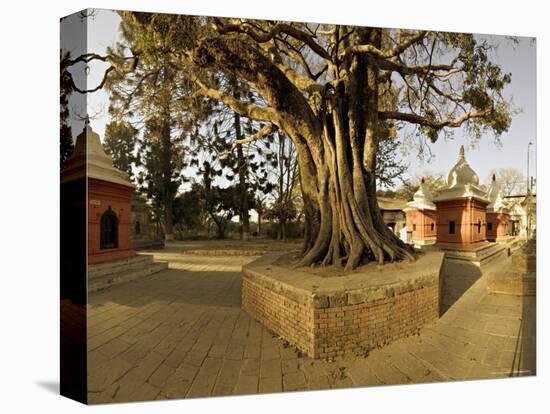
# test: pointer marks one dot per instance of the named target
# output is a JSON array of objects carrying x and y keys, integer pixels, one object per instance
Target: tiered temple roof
[
  {"x": 462, "y": 182},
  {"x": 422, "y": 199},
  {"x": 89, "y": 159},
  {"x": 496, "y": 202}
]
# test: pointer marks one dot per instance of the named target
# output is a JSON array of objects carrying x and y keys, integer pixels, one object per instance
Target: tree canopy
[{"x": 333, "y": 90}]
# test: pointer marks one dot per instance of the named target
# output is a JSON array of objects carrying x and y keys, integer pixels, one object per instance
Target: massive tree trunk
[
  {"x": 351, "y": 230},
  {"x": 336, "y": 150}
]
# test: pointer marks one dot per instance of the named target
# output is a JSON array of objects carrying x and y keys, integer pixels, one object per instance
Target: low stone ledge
[
  {"x": 223, "y": 252},
  {"x": 480, "y": 255},
  {"x": 517, "y": 274},
  {"x": 512, "y": 283},
  {"x": 524, "y": 263},
  {"x": 333, "y": 316}
]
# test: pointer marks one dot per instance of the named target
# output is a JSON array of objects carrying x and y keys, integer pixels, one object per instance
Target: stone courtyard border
[{"x": 326, "y": 317}]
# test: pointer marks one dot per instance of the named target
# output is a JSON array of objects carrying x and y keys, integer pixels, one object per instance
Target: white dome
[
  {"x": 494, "y": 189},
  {"x": 422, "y": 194},
  {"x": 462, "y": 182},
  {"x": 422, "y": 199},
  {"x": 496, "y": 202},
  {"x": 90, "y": 160},
  {"x": 461, "y": 174}
]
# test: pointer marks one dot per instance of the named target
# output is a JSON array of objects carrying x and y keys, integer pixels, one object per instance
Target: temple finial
[
  {"x": 87, "y": 120},
  {"x": 461, "y": 152}
]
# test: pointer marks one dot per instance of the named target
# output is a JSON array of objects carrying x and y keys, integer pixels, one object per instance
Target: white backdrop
[{"x": 29, "y": 236}]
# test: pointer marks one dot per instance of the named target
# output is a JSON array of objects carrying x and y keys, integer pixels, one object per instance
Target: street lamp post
[
  {"x": 528, "y": 170},
  {"x": 528, "y": 193}
]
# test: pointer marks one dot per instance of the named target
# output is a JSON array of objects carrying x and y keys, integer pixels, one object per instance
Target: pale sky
[{"x": 520, "y": 60}]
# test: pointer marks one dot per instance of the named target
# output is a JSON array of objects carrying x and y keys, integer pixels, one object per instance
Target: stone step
[
  {"x": 115, "y": 266},
  {"x": 100, "y": 282},
  {"x": 515, "y": 244},
  {"x": 147, "y": 244},
  {"x": 497, "y": 253},
  {"x": 480, "y": 256}
]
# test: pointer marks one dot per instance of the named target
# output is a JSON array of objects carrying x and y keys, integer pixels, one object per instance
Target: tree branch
[
  {"x": 276, "y": 30},
  {"x": 420, "y": 120},
  {"x": 396, "y": 51},
  {"x": 392, "y": 66},
  {"x": 294, "y": 53},
  {"x": 88, "y": 57},
  {"x": 262, "y": 133},
  {"x": 304, "y": 83},
  {"x": 251, "y": 111}
]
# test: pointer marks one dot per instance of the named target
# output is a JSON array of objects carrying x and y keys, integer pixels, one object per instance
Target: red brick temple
[
  {"x": 462, "y": 209},
  {"x": 108, "y": 198},
  {"x": 497, "y": 214},
  {"x": 421, "y": 217}
]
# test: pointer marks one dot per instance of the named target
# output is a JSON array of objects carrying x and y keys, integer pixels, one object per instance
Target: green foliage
[
  {"x": 389, "y": 167},
  {"x": 156, "y": 35},
  {"x": 120, "y": 143},
  {"x": 434, "y": 183},
  {"x": 281, "y": 211},
  {"x": 293, "y": 230},
  {"x": 161, "y": 156},
  {"x": 180, "y": 54},
  {"x": 189, "y": 209},
  {"x": 476, "y": 84}
]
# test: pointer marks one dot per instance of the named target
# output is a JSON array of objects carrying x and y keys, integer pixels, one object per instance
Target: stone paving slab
[{"x": 181, "y": 333}]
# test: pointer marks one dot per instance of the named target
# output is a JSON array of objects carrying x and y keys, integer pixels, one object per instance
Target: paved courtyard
[{"x": 181, "y": 333}]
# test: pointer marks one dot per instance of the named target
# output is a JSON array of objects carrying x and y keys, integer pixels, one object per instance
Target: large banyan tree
[{"x": 335, "y": 90}]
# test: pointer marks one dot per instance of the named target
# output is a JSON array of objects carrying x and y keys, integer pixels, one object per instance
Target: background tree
[
  {"x": 260, "y": 204},
  {"x": 66, "y": 135},
  {"x": 390, "y": 168},
  {"x": 121, "y": 144},
  {"x": 162, "y": 156},
  {"x": 327, "y": 87},
  {"x": 189, "y": 210},
  {"x": 512, "y": 181},
  {"x": 156, "y": 98},
  {"x": 246, "y": 164},
  {"x": 434, "y": 182},
  {"x": 221, "y": 204},
  {"x": 283, "y": 208}
]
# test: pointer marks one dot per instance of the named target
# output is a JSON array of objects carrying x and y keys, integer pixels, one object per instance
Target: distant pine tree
[
  {"x": 120, "y": 143},
  {"x": 66, "y": 137}
]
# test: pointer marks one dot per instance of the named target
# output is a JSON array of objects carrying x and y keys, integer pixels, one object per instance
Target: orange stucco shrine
[
  {"x": 462, "y": 208},
  {"x": 498, "y": 215},
  {"x": 421, "y": 217},
  {"x": 108, "y": 198}
]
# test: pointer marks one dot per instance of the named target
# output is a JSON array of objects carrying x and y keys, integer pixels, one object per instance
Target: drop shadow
[
  {"x": 50, "y": 386},
  {"x": 206, "y": 288},
  {"x": 458, "y": 277}
]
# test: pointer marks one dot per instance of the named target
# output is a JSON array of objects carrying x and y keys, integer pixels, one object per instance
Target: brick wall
[
  {"x": 359, "y": 328},
  {"x": 326, "y": 327},
  {"x": 101, "y": 195},
  {"x": 470, "y": 220},
  {"x": 422, "y": 224},
  {"x": 499, "y": 225},
  {"x": 288, "y": 318}
]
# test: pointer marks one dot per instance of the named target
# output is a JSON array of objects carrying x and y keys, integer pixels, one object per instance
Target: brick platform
[{"x": 327, "y": 317}]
